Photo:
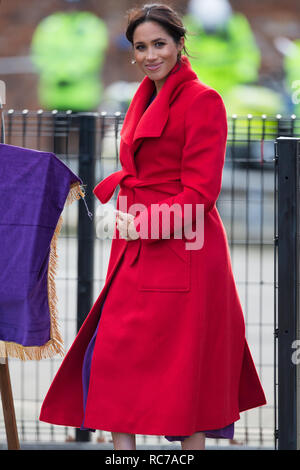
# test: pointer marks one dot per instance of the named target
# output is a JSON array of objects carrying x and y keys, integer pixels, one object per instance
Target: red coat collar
[{"x": 139, "y": 123}]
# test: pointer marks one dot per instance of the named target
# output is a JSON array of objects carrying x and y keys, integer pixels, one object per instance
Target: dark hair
[{"x": 162, "y": 14}]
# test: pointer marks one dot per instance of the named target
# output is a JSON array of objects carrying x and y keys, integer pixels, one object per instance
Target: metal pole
[
  {"x": 288, "y": 295},
  {"x": 85, "y": 265}
]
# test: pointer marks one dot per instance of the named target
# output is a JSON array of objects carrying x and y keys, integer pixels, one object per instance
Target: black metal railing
[
  {"x": 89, "y": 144},
  {"x": 286, "y": 293}
]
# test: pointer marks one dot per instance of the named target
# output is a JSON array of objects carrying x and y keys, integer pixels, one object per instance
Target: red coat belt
[{"x": 105, "y": 189}]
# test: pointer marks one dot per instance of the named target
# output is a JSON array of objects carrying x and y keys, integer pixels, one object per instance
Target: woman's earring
[{"x": 133, "y": 61}]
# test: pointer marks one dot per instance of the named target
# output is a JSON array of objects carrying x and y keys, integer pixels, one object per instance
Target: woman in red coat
[{"x": 166, "y": 353}]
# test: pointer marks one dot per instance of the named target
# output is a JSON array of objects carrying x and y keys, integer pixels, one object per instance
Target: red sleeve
[{"x": 203, "y": 157}]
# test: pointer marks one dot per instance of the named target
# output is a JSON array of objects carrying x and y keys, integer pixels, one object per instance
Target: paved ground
[{"x": 107, "y": 446}]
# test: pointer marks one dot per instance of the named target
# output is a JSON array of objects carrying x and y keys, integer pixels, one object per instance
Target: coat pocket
[{"x": 165, "y": 266}]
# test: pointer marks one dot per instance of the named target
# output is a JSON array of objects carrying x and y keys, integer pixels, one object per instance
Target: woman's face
[{"x": 155, "y": 51}]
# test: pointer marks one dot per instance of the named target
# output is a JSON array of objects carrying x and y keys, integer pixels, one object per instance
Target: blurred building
[{"x": 269, "y": 19}]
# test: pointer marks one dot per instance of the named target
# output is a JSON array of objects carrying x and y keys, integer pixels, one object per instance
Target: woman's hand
[{"x": 126, "y": 226}]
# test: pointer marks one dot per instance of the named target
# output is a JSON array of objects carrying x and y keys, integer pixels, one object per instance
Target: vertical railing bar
[
  {"x": 24, "y": 126},
  {"x": 8, "y": 134},
  {"x": 261, "y": 254},
  {"x": 293, "y": 117},
  {"x": 116, "y": 127},
  {"x": 249, "y": 117},
  {"x": 233, "y": 167},
  {"x": 2, "y": 124},
  {"x": 39, "y": 128},
  {"x": 103, "y": 124},
  {"x": 85, "y": 233}
]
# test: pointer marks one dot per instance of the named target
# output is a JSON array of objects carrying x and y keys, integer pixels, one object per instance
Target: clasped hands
[{"x": 126, "y": 226}]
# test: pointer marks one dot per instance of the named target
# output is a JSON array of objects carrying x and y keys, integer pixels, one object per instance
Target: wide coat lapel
[{"x": 139, "y": 122}]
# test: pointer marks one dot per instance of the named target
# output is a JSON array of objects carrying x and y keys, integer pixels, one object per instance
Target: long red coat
[{"x": 171, "y": 357}]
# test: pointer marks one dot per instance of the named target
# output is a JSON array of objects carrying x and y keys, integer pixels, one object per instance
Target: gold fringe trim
[
  {"x": 55, "y": 345},
  {"x": 76, "y": 192}
]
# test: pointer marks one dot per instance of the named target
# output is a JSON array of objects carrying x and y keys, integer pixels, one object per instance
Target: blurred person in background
[
  {"x": 225, "y": 55},
  {"x": 68, "y": 50}
]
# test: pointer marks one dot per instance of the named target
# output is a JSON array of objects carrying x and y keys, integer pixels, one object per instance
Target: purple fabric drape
[{"x": 34, "y": 186}]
